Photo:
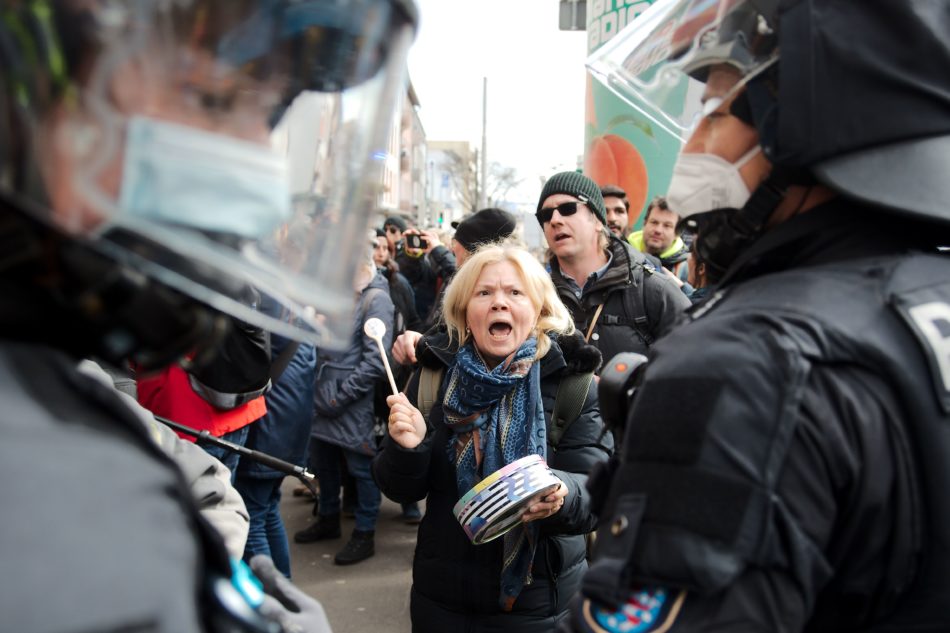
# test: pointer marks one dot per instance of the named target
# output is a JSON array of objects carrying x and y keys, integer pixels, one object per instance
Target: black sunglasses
[{"x": 545, "y": 214}]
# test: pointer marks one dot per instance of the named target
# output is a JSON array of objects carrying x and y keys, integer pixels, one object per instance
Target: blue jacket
[
  {"x": 345, "y": 382},
  {"x": 283, "y": 432}
]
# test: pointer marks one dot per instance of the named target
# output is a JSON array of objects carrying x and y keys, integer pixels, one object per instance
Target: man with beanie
[
  {"x": 618, "y": 303},
  {"x": 487, "y": 226}
]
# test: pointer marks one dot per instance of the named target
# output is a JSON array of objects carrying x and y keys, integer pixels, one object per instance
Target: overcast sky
[{"x": 535, "y": 74}]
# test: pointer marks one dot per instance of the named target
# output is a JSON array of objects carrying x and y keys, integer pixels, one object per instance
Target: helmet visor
[
  {"x": 219, "y": 144},
  {"x": 659, "y": 62}
]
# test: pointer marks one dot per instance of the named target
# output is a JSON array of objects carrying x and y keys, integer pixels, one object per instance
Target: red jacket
[{"x": 169, "y": 395}]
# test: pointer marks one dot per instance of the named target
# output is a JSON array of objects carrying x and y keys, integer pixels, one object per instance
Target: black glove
[{"x": 285, "y": 603}]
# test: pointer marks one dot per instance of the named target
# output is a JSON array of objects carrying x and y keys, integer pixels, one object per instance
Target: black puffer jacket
[{"x": 451, "y": 572}]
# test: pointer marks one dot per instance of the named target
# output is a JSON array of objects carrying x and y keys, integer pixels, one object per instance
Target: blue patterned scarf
[{"x": 497, "y": 417}]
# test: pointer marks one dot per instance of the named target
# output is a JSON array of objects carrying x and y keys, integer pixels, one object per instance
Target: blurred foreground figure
[
  {"x": 138, "y": 197},
  {"x": 786, "y": 453}
]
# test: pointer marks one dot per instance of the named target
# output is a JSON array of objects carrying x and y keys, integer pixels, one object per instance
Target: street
[{"x": 372, "y": 595}]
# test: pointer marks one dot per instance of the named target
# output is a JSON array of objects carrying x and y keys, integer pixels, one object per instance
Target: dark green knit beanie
[{"x": 578, "y": 185}]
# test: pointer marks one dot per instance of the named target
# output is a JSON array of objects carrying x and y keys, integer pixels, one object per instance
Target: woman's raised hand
[{"x": 407, "y": 427}]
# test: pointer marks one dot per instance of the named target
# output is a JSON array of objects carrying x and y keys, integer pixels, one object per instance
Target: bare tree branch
[
  {"x": 463, "y": 175},
  {"x": 501, "y": 180}
]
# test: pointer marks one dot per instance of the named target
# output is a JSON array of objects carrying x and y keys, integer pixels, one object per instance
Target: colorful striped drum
[{"x": 495, "y": 504}]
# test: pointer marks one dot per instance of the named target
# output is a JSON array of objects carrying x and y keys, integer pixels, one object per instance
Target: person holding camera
[
  {"x": 422, "y": 259},
  {"x": 786, "y": 453}
]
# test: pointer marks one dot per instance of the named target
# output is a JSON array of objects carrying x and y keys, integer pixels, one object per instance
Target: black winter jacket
[
  {"x": 639, "y": 304},
  {"x": 143, "y": 544},
  {"x": 458, "y": 576}
]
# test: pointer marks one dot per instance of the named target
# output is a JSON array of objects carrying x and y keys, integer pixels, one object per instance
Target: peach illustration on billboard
[{"x": 613, "y": 160}]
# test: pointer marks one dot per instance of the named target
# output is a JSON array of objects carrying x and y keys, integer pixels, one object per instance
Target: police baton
[{"x": 204, "y": 437}]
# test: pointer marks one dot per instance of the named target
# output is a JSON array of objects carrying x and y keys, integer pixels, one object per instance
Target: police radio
[{"x": 619, "y": 379}]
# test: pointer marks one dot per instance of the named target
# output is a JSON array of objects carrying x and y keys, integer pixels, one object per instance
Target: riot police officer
[
  {"x": 139, "y": 195},
  {"x": 787, "y": 448}
]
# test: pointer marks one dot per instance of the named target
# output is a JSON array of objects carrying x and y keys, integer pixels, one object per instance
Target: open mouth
[
  {"x": 499, "y": 330},
  {"x": 558, "y": 237}
]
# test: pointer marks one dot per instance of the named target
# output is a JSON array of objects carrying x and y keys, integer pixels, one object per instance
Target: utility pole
[
  {"x": 430, "y": 191},
  {"x": 573, "y": 15},
  {"x": 483, "y": 198},
  {"x": 478, "y": 191}
]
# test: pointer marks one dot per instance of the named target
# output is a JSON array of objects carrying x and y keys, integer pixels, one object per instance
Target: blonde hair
[{"x": 553, "y": 317}]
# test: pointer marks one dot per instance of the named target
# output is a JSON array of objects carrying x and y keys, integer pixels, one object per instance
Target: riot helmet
[
  {"x": 152, "y": 131},
  {"x": 852, "y": 95}
]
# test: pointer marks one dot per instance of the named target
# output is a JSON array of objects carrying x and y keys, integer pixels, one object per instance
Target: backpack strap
[
  {"x": 634, "y": 307},
  {"x": 367, "y": 297},
  {"x": 593, "y": 322},
  {"x": 634, "y": 304},
  {"x": 429, "y": 382},
  {"x": 568, "y": 403}
]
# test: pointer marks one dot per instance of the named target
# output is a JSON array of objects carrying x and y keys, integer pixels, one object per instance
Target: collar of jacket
[
  {"x": 620, "y": 273},
  {"x": 837, "y": 230},
  {"x": 379, "y": 280},
  {"x": 676, "y": 253},
  {"x": 568, "y": 352}
]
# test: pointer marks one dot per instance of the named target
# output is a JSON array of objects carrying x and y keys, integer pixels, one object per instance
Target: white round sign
[{"x": 374, "y": 328}]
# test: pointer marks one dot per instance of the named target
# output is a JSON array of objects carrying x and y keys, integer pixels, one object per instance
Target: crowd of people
[{"x": 742, "y": 408}]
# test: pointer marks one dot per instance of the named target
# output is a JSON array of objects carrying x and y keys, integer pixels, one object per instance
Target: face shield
[
  {"x": 658, "y": 64},
  {"x": 219, "y": 144}
]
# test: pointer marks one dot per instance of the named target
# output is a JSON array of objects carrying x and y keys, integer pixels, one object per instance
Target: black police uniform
[
  {"x": 787, "y": 456},
  {"x": 100, "y": 530},
  {"x": 71, "y": 452}
]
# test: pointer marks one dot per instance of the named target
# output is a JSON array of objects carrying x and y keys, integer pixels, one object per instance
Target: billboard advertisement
[{"x": 622, "y": 146}]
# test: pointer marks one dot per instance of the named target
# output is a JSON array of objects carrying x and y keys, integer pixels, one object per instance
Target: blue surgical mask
[{"x": 180, "y": 175}]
